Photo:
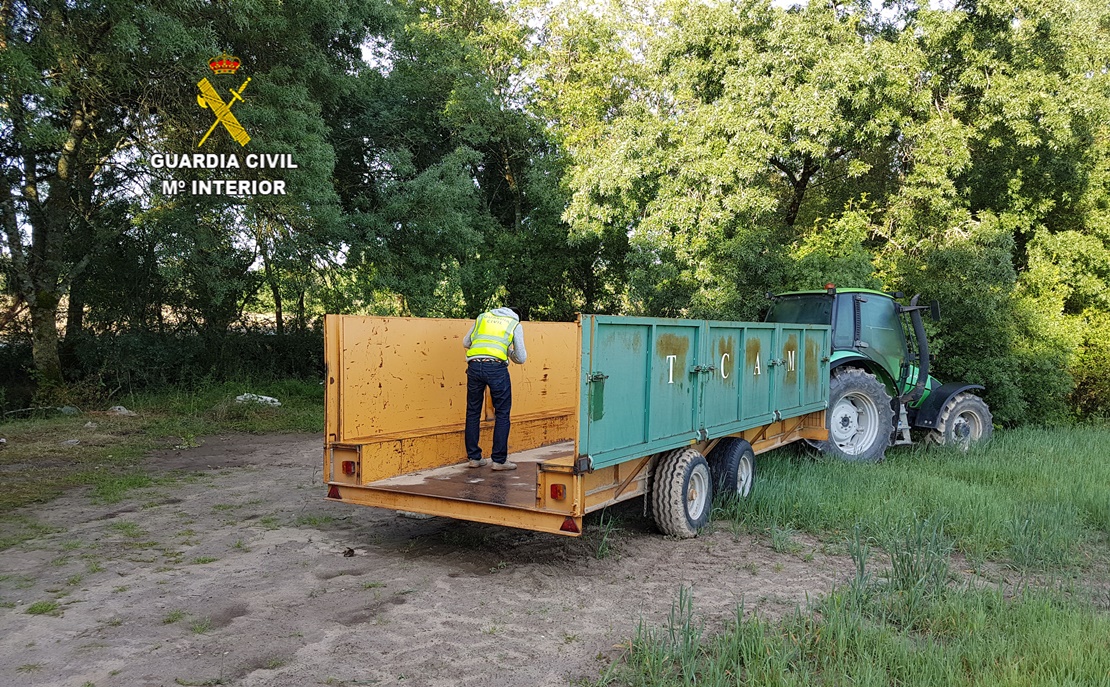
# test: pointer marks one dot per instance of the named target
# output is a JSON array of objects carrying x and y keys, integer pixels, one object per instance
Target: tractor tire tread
[
  {"x": 939, "y": 435},
  {"x": 865, "y": 381}
]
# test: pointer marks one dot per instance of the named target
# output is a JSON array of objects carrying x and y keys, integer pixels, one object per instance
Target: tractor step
[{"x": 902, "y": 434}]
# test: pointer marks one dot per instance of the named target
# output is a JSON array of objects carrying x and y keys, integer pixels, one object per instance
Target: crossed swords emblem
[{"x": 211, "y": 100}]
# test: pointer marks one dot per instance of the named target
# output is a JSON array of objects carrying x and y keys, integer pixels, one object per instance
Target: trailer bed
[{"x": 511, "y": 488}]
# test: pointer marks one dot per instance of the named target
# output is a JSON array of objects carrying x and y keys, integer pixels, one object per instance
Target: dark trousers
[{"x": 479, "y": 375}]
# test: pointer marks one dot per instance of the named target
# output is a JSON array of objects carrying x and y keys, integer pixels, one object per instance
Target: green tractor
[{"x": 880, "y": 386}]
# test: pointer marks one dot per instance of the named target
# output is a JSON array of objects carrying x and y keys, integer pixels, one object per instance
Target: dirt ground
[{"x": 233, "y": 570}]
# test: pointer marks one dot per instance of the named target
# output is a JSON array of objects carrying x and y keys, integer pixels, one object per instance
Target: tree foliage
[
  {"x": 670, "y": 157},
  {"x": 956, "y": 153}
]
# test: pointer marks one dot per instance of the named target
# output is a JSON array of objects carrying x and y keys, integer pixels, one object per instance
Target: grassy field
[
  {"x": 1029, "y": 515},
  {"x": 47, "y": 452},
  {"x": 985, "y": 568},
  {"x": 1035, "y": 498}
]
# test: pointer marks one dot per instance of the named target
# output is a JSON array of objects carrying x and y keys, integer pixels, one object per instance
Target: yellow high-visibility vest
[{"x": 492, "y": 336}]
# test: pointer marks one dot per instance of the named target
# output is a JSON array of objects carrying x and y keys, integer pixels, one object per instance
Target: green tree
[{"x": 92, "y": 87}]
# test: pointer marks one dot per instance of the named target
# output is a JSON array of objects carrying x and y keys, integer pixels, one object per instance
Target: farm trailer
[{"x": 606, "y": 409}]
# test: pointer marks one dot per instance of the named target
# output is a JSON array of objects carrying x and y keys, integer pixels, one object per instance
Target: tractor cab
[
  {"x": 867, "y": 326},
  {"x": 880, "y": 386}
]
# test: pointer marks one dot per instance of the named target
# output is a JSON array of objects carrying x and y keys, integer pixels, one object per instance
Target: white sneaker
[
  {"x": 504, "y": 466},
  {"x": 477, "y": 463}
]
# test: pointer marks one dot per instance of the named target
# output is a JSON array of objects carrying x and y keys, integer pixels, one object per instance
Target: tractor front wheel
[
  {"x": 860, "y": 417},
  {"x": 965, "y": 420}
]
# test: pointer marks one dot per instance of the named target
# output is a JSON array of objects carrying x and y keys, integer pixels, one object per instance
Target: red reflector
[
  {"x": 333, "y": 492},
  {"x": 348, "y": 467},
  {"x": 558, "y": 491},
  {"x": 569, "y": 525}
]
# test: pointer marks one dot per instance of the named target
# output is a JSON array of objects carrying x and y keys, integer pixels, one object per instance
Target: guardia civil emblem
[{"x": 209, "y": 99}]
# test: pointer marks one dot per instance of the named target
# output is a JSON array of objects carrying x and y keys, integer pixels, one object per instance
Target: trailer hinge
[
  {"x": 583, "y": 464},
  {"x": 704, "y": 369},
  {"x": 596, "y": 377}
]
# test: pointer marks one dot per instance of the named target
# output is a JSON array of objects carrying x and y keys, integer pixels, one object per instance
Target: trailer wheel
[
  {"x": 965, "y": 420},
  {"x": 860, "y": 417},
  {"x": 682, "y": 493},
  {"x": 732, "y": 463}
]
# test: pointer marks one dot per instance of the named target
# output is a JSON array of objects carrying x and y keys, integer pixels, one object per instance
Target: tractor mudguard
[
  {"x": 842, "y": 359},
  {"x": 926, "y": 416}
]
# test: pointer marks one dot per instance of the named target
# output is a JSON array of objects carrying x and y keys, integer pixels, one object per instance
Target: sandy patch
[{"x": 240, "y": 574}]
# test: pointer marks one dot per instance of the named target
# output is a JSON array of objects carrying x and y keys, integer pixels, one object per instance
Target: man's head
[{"x": 504, "y": 311}]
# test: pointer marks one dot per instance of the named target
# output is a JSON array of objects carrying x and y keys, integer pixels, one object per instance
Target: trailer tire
[
  {"x": 732, "y": 463},
  {"x": 965, "y": 420},
  {"x": 860, "y": 417},
  {"x": 682, "y": 493}
]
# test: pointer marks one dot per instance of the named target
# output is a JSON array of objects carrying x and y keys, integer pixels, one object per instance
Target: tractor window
[
  {"x": 882, "y": 330},
  {"x": 844, "y": 324},
  {"x": 802, "y": 310}
]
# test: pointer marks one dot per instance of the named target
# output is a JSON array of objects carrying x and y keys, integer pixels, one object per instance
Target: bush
[
  {"x": 1091, "y": 395},
  {"x": 99, "y": 366}
]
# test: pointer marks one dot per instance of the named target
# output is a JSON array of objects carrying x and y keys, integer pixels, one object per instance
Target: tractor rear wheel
[
  {"x": 860, "y": 417},
  {"x": 965, "y": 420}
]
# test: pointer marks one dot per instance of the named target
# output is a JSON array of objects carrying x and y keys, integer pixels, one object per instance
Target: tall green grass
[
  {"x": 874, "y": 636},
  {"x": 1034, "y": 497}
]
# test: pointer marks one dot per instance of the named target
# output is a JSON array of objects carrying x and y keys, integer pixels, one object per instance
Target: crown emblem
[{"x": 224, "y": 64}]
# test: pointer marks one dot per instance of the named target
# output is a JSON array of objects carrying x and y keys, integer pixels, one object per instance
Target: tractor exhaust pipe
[{"x": 922, "y": 352}]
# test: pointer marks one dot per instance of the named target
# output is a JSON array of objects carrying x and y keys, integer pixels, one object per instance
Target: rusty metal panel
[
  {"x": 802, "y": 375},
  {"x": 673, "y": 385},
  {"x": 757, "y": 405},
  {"x": 736, "y": 391}
]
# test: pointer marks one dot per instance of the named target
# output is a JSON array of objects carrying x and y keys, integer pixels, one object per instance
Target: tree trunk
[
  {"x": 275, "y": 290},
  {"x": 75, "y": 313},
  {"x": 301, "y": 324},
  {"x": 44, "y": 338}
]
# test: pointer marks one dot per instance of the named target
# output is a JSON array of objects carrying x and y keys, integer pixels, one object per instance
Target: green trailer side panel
[
  {"x": 673, "y": 383},
  {"x": 617, "y": 393},
  {"x": 652, "y": 384},
  {"x": 720, "y": 392},
  {"x": 803, "y": 368},
  {"x": 757, "y": 402},
  {"x": 815, "y": 373},
  {"x": 786, "y": 367}
]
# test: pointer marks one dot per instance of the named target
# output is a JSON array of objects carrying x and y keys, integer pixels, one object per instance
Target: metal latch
[
  {"x": 701, "y": 369},
  {"x": 596, "y": 377}
]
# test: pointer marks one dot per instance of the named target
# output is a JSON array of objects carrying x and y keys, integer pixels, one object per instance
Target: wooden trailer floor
[{"x": 514, "y": 488}]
